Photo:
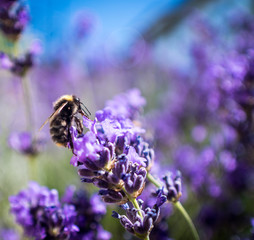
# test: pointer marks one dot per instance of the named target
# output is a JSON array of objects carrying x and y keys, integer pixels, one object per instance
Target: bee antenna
[{"x": 87, "y": 111}]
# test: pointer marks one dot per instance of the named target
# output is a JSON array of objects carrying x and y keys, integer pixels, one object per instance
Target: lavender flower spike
[
  {"x": 137, "y": 221},
  {"x": 112, "y": 155},
  {"x": 6, "y": 4},
  {"x": 90, "y": 211},
  {"x": 9, "y": 234},
  {"x": 20, "y": 65},
  {"x": 23, "y": 143},
  {"x": 38, "y": 210},
  {"x": 173, "y": 187},
  {"x": 13, "y": 19}
]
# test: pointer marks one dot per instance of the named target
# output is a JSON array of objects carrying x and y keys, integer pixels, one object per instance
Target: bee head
[{"x": 76, "y": 100}]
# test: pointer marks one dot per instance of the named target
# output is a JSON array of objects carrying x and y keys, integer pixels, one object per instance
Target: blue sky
[{"x": 51, "y": 18}]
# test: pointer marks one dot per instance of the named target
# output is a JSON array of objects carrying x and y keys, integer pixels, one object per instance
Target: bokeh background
[{"x": 192, "y": 60}]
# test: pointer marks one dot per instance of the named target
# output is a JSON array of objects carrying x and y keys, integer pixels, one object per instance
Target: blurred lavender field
[{"x": 170, "y": 86}]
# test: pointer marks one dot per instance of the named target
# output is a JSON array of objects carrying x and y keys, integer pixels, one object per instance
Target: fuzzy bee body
[
  {"x": 59, "y": 130},
  {"x": 65, "y": 113}
]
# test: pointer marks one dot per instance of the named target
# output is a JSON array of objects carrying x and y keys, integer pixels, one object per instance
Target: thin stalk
[
  {"x": 155, "y": 182},
  {"x": 32, "y": 167},
  {"x": 15, "y": 49},
  {"x": 27, "y": 101},
  {"x": 7, "y": 46},
  {"x": 136, "y": 205},
  {"x": 2, "y": 44},
  {"x": 25, "y": 87},
  {"x": 134, "y": 202},
  {"x": 179, "y": 206},
  {"x": 182, "y": 210},
  {"x": 147, "y": 238}
]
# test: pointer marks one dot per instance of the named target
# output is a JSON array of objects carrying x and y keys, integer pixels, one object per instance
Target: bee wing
[{"x": 53, "y": 115}]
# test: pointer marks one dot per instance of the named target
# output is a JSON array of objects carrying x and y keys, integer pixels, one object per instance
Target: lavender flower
[
  {"x": 90, "y": 211},
  {"x": 112, "y": 155},
  {"x": 13, "y": 19},
  {"x": 9, "y": 234},
  {"x": 126, "y": 105},
  {"x": 100, "y": 164},
  {"x": 173, "y": 187},
  {"x": 84, "y": 23},
  {"x": 6, "y": 4},
  {"x": 57, "y": 223},
  {"x": 205, "y": 127},
  {"x": 20, "y": 65},
  {"x": 24, "y": 144},
  {"x": 140, "y": 222},
  {"x": 5, "y": 61},
  {"x": 38, "y": 210},
  {"x": 149, "y": 197},
  {"x": 115, "y": 158}
]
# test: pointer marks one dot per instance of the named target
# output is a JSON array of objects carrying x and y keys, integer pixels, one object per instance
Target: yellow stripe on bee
[
  {"x": 60, "y": 144},
  {"x": 67, "y": 97}
]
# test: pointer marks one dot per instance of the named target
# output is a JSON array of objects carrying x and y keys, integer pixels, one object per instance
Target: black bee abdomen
[{"x": 59, "y": 130}]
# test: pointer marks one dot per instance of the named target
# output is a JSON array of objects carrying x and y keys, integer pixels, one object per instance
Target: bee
[{"x": 65, "y": 113}]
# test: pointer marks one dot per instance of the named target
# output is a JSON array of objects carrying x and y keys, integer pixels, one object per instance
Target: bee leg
[
  {"x": 73, "y": 152},
  {"x": 72, "y": 148},
  {"x": 71, "y": 144},
  {"x": 79, "y": 124},
  {"x": 83, "y": 113}
]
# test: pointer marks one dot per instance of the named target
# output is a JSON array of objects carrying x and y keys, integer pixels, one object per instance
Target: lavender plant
[
  {"x": 203, "y": 126},
  {"x": 209, "y": 126},
  {"x": 9, "y": 234},
  {"x": 90, "y": 210},
  {"x": 43, "y": 216},
  {"x": 24, "y": 144},
  {"x": 115, "y": 158},
  {"x": 13, "y": 18},
  {"x": 38, "y": 210}
]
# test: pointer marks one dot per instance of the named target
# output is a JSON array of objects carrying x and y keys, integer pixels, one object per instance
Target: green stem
[
  {"x": 153, "y": 180},
  {"x": 27, "y": 101},
  {"x": 15, "y": 49},
  {"x": 147, "y": 238},
  {"x": 136, "y": 205},
  {"x": 7, "y": 46},
  {"x": 2, "y": 44},
  {"x": 32, "y": 167},
  {"x": 182, "y": 210},
  {"x": 25, "y": 88},
  {"x": 134, "y": 202},
  {"x": 179, "y": 206}
]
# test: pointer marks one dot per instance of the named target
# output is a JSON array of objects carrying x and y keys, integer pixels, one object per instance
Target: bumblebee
[{"x": 65, "y": 113}]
